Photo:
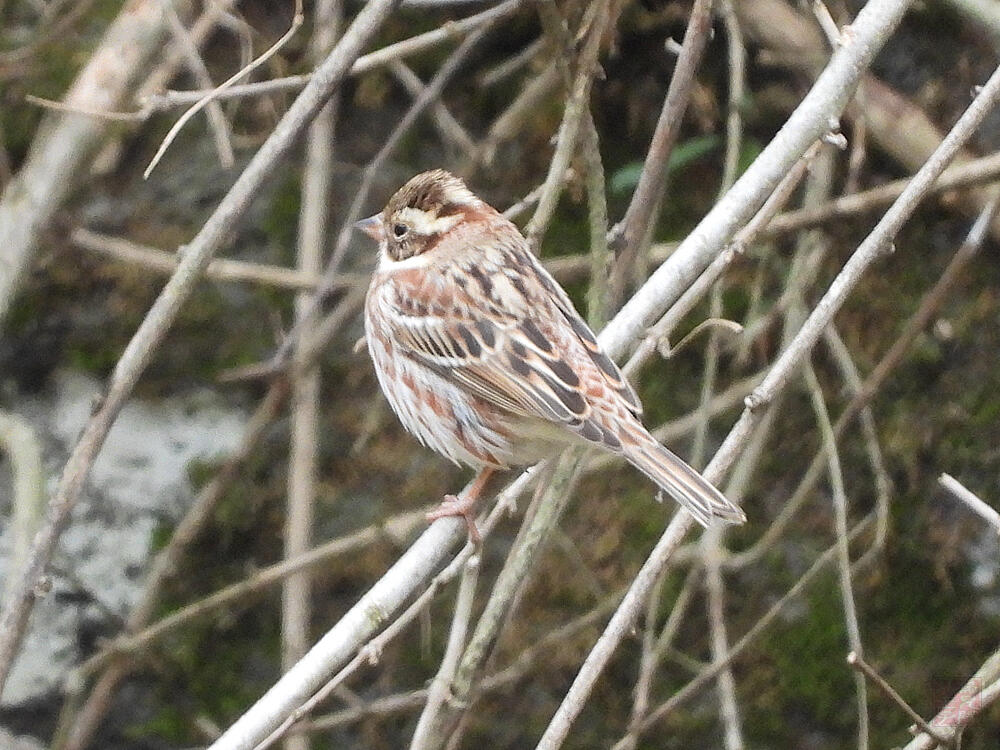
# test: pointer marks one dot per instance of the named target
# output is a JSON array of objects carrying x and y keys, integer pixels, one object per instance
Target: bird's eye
[{"x": 400, "y": 229}]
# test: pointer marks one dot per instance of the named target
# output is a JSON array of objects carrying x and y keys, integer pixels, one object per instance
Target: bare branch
[
  {"x": 843, "y": 550},
  {"x": 189, "y": 49},
  {"x": 576, "y": 104},
  {"x": 24, "y": 453},
  {"x": 220, "y": 269},
  {"x": 49, "y": 172},
  {"x": 440, "y": 686},
  {"x": 783, "y": 369},
  {"x": 973, "y": 501},
  {"x": 140, "y": 349},
  {"x": 642, "y": 211},
  {"x": 297, "y": 21},
  {"x": 862, "y": 667},
  {"x": 296, "y": 594}
]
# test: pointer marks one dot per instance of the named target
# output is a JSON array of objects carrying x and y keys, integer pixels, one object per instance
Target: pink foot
[{"x": 453, "y": 505}]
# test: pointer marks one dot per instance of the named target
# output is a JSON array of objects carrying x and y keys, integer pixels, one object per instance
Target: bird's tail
[{"x": 681, "y": 482}]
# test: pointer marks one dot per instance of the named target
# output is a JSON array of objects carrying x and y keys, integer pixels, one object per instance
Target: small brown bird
[{"x": 483, "y": 357}]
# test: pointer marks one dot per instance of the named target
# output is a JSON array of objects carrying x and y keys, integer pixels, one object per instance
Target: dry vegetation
[{"x": 785, "y": 211}]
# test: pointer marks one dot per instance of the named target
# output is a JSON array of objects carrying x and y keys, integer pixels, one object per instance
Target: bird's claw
[{"x": 453, "y": 505}]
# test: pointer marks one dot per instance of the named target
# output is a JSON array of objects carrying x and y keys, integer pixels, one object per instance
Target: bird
[{"x": 482, "y": 356}]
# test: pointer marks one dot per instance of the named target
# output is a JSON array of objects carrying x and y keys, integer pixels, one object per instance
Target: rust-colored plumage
[{"x": 482, "y": 355}]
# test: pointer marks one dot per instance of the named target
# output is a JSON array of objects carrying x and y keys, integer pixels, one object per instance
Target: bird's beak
[{"x": 372, "y": 226}]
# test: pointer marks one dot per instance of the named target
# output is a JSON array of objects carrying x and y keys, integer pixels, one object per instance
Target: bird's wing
[
  {"x": 612, "y": 376},
  {"x": 497, "y": 330},
  {"x": 498, "y": 356}
]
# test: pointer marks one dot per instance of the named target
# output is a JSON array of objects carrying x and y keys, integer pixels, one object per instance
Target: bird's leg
[{"x": 464, "y": 505}]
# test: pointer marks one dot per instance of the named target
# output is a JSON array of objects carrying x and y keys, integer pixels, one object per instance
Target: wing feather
[
  {"x": 496, "y": 359},
  {"x": 608, "y": 368},
  {"x": 507, "y": 341}
]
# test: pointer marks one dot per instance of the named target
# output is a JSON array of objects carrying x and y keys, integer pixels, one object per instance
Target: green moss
[
  {"x": 206, "y": 673},
  {"x": 280, "y": 223},
  {"x": 806, "y": 671}
]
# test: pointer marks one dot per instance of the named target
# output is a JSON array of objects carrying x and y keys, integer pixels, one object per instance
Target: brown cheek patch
[
  {"x": 429, "y": 243},
  {"x": 451, "y": 209},
  {"x": 398, "y": 250}
]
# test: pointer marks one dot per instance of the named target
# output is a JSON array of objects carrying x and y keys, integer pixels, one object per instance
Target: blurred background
[{"x": 201, "y": 432}]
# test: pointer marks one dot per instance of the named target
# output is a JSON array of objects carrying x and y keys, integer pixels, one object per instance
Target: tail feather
[{"x": 683, "y": 483}]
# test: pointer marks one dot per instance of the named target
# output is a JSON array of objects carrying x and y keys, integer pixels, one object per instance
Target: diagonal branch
[
  {"x": 154, "y": 327},
  {"x": 783, "y": 370}
]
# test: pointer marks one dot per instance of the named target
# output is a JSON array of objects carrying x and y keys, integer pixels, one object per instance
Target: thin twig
[
  {"x": 712, "y": 543},
  {"x": 597, "y": 212},
  {"x": 654, "y": 648},
  {"x": 387, "y": 706},
  {"x": 736, "y": 51},
  {"x": 511, "y": 65},
  {"x": 297, "y": 20},
  {"x": 314, "y": 218},
  {"x": 726, "y": 684},
  {"x": 220, "y": 269},
  {"x": 221, "y": 131},
  {"x": 451, "y": 130},
  {"x": 163, "y": 312},
  {"x": 843, "y": 550},
  {"x": 19, "y": 443},
  {"x": 633, "y": 230},
  {"x": 883, "y": 482},
  {"x": 440, "y": 686},
  {"x": 984, "y": 169},
  {"x": 510, "y": 123},
  {"x": 861, "y": 667},
  {"x": 576, "y": 104},
  {"x": 873, "y": 247}
]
